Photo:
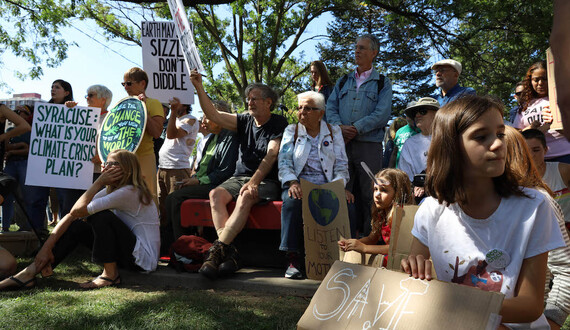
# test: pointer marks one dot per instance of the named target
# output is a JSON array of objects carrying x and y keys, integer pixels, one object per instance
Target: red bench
[{"x": 196, "y": 212}]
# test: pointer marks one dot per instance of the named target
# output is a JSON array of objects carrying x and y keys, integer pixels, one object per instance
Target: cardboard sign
[
  {"x": 359, "y": 297},
  {"x": 62, "y": 144},
  {"x": 325, "y": 221},
  {"x": 123, "y": 127},
  {"x": 185, "y": 35},
  {"x": 552, "y": 97},
  {"x": 401, "y": 236},
  {"x": 163, "y": 61}
]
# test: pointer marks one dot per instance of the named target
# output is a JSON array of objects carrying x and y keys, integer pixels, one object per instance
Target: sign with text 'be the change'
[
  {"x": 61, "y": 146},
  {"x": 123, "y": 127},
  {"x": 163, "y": 61}
]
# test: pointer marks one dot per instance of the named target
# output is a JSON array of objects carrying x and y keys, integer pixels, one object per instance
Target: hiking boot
[
  {"x": 231, "y": 262},
  {"x": 216, "y": 255},
  {"x": 293, "y": 271}
]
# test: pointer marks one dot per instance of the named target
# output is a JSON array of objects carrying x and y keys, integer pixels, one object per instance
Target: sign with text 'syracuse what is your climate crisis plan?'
[
  {"x": 62, "y": 145},
  {"x": 123, "y": 127}
]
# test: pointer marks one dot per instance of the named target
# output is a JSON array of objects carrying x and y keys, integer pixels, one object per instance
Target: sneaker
[
  {"x": 294, "y": 269},
  {"x": 231, "y": 262},
  {"x": 215, "y": 256},
  {"x": 293, "y": 273}
]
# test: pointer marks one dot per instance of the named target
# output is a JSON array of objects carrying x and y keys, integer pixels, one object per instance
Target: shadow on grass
[{"x": 57, "y": 302}]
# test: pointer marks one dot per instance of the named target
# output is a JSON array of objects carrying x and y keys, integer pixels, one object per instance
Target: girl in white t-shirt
[
  {"x": 120, "y": 227},
  {"x": 479, "y": 227}
]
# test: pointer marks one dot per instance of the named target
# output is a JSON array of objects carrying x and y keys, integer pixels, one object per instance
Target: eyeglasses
[
  {"x": 441, "y": 69},
  {"x": 253, "y": 99},
  {"x": 128, "y": 83},
  {"x": 518, "y": 93},
  {"x": 19, "y": 111},
  {"x": 90, "y": 95},
  {"x": 422, "y": 111},
  {"x": 308, "y": 108},
  {"x": 111, "y": 164}
]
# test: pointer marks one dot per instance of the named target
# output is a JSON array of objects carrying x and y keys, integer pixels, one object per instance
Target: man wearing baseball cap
[
  {"x": 413, "y": 158},
  {"x": 446, "y": 78}
]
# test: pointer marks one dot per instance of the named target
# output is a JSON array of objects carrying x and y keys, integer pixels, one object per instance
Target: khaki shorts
[{"x": 269, "y": 190}]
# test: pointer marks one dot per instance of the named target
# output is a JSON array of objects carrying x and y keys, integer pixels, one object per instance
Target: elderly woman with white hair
[
  {"x": 312, "y": 150},
  {"x": 98, "y": 96}
]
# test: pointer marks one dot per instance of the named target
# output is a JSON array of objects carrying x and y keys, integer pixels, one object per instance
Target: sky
[{"x": 98, "y": 62}]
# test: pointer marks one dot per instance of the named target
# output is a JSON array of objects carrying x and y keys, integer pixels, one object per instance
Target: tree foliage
[{"x": 495, "y": 43}]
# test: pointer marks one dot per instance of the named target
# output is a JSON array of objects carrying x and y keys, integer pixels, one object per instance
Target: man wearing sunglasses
[
  {"x": 413, "y": 159},
  {"x": 446, "y": 74},
  {"x": 135, "y": 82}
]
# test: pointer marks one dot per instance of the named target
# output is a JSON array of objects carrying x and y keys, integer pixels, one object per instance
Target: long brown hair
[
  {"x": 444, "y": 174},
  {"x": 132, "y": 175},
  {"x": 529, "y": 93},
  {"x": 402, "y": 196},
  {"x": 520, "y": 161},
  {"x": 324, "y": 79}
]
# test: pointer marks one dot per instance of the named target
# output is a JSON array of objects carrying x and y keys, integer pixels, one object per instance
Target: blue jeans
[
  {"x": 34, "y": 197},
  {"x": 292, "y": 239}
]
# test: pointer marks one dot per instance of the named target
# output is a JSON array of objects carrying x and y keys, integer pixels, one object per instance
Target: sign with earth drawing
[
  {"x": 325, "y": 220},
  {"x": 123, "y": 127}
]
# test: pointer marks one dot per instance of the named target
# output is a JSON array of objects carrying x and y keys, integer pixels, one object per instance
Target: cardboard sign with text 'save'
[
  {"x": 185, "y": 35},
  {"x": 552, "y": 97},
  {"x": 123, "y": 127},
  {"x": 325, "y": 221},
  {"x": 163, "y": 61},
  {"x": 62, "y": 144},
  {"x": 360, "y": 297}
]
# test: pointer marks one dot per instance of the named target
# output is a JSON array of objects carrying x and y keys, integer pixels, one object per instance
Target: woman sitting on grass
[{"x": 120, "y": 226}]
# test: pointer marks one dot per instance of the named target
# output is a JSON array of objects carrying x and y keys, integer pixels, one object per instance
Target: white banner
[
  {"x": 185, "y": 35},
  {"x": 163, "y": 61},
  {"x": 61, "y": 146}
]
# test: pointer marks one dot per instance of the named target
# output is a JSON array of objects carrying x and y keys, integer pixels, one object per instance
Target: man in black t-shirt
[{"x": 255, "y": 179}]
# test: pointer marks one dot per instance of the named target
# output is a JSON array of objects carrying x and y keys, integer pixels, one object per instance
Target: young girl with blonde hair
[{"x": 121, "y": 227}]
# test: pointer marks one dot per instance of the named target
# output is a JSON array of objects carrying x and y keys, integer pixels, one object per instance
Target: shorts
[{"x": 269, "y": 190}]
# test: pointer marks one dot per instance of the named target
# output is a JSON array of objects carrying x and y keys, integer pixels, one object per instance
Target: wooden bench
[{"x": 196, "y": 212}]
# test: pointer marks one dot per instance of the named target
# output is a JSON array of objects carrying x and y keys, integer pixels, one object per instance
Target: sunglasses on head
[
  {"x": 518, "y": 93},
  {"x": 127, "y": 83}
]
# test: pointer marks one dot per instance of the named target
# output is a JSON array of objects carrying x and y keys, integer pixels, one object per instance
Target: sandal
[
  {"x": 21, "y": 285},
  {"x": 89, "y": 285}
]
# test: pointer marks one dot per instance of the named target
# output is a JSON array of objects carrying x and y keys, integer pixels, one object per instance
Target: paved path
[{"x": 267, "y": 280}]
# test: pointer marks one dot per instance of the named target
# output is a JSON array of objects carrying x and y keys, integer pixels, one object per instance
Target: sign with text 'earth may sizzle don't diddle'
[
  {"x": 325, "y": 220},
  {"x": 123, "y": 127},
  {"x": 62, "y": 144}
]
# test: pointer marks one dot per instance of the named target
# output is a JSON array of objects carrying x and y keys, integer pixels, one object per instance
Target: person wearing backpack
[
  {"x": 312, "y": 150},
  {"x": 360, "y": 104}
]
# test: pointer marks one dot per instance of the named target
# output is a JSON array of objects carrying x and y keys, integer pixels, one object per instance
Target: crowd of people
[{"x": 494, "y": 201}]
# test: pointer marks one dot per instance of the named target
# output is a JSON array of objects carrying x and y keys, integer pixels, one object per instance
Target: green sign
[{"x": 123, "y": 127}]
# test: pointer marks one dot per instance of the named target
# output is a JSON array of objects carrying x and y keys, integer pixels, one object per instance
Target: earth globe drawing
[{"x": 324, "y": 205}]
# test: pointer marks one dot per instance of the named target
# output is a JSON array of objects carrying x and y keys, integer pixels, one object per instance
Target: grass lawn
[{"x": 58, "y": 303}]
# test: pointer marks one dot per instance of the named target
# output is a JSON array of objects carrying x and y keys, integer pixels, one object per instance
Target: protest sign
[
  {"x": 185, "y": 35},
  {"x": 62, "y": 144},
  {"x": 325, "y": 221},
  {"x": 401, "y": 235},
  {"x": 552, "y": 97},
  {"x": 163, "y": 61},
  {"x": 123, "y": 127},
  {"x": 360, "y": 297}
]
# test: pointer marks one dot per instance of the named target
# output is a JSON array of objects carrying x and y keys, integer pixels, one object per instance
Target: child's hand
[
  {"x": 417, "y": 266},
  {"x": 352, "y": 245}
]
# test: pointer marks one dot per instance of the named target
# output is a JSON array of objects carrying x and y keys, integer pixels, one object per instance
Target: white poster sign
[
  {"x": 62, "y": 144},
  {"x": 185, "y": 35},
  {"x": 163, "y": 61}
]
